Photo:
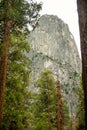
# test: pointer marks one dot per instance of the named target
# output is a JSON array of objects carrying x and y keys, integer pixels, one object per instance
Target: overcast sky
[{"x": 67, "y": 11}]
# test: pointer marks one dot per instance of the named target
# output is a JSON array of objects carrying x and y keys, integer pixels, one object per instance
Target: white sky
[{"x": 67, "y": 11}]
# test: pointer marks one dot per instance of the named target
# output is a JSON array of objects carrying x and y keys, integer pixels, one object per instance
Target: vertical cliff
[{"x": 53, "y": 47}]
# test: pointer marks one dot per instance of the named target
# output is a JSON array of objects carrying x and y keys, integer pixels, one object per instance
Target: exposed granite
[{"x": 53, "y": 47}]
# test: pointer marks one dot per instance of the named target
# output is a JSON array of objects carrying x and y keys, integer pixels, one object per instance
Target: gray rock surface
[{"x": 53, "y": 47}]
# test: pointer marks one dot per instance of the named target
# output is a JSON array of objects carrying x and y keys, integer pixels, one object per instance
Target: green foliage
[
  {"x": 17, "y": 100},
  {"x": 80, "y": 109},
  {"x": 41, "y": 125},
  {"x": 20, "y": 12},
  {"x": 45, "y": 103},
  {"x": 66, "y": 116}
]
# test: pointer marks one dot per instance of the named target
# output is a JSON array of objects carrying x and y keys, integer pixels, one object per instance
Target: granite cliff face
[{"x": 53, "y": 47}]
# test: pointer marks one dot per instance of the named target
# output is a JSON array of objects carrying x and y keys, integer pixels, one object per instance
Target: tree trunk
[
  {"x": 74, "y": 124},
  {"x": 48, "y": 110},
  {"x": 82, "y": 12},
  {"x": 59, "y": 111},
  {"x": 3, "y": 68}
]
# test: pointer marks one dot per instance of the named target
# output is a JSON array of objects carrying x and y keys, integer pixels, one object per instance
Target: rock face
[{"x": 53, "y": 47}]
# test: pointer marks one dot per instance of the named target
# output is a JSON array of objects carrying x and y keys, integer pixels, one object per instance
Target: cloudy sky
[{"x": 67, "y": 11}]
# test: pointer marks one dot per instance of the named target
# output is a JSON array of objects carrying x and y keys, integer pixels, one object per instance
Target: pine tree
[
  {"x": 63, "y": 118},
  {"x": 14, "y": 18},
  {"x": 46, "y": 103},
  {"x": 17, "y": 100}
]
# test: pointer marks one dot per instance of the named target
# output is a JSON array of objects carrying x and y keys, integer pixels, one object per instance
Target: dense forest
[{"x": 42, "y": 107}]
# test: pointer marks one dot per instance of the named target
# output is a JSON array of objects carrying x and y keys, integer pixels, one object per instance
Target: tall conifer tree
[
  {"x": 46, "y": 102},
  {"x": 14, "y": 16},
  {"x": 17, "y": 97}
]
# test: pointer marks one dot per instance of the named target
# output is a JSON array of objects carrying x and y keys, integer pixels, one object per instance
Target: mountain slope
[{"x": 53, "y": 47}]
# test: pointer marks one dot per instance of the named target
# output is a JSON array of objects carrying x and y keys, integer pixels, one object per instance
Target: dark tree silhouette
[{"x": 82, "y": 12}]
